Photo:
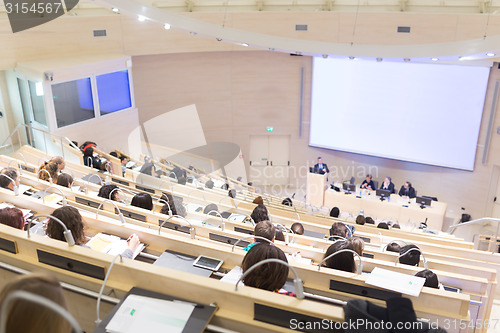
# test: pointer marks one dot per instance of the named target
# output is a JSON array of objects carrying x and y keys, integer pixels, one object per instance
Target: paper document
[
  {"x": 402, "y": 283},
  {"x": 146, "y": 314},
  {"x": 237, "y": 217},
  {"x": 111, "y": 244}
]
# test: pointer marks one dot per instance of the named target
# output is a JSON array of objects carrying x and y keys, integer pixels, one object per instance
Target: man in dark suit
[
  {"x": 388, "y": 185},
  {"x": 407, "y": 191},
  {"x": 321, "y": 167}
]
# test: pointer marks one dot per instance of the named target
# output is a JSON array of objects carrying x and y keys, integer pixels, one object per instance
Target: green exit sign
[{"x": 269, "y": 129}]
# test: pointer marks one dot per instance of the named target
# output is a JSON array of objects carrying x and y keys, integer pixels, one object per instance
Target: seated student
[
  {"x": 396, "y": 226},
  {"x": 279, "y": 236},
  {"x": 259, "y": 213},
  {"x": 338, "y": 230},
  {"x": 342, "y": 261},
  {"x": 360, "y": 219},
  {"x": 335, "y": 212},
  {"x": 287, "y": 202},
  {"x": 124, "y": 160},
  {"x": 10, "y": 179},
  {"x": 65, "y": 179},
  {"x": 369, "y": 220},
  {"x": 263, "y": 229},
  {"x": 29, "y": 317},
  {"x": 388, "y": 185},
  {"x": 142, "y": 200},
  {"x": 297, "y": 228},
  {"x": 52, "y": 169},
  {"x": 12, "y": 217},
  {"x": 209, "y": 208},
  {"x": 358, "y": 245},
  {"x": 393, "y": 247},
  {"x": 209, "y": 184},
  {"x": 232, "y": 193},
  {"x": 368, "y": 183},
  {"x": 431, "y": 279},
  {"x": 174, "y": 206},
  {"x": 270, "y": 276},
  {"x": 383, "y": 225},
  {"x": 407, "y": 191},
  {"x": 225, "y": 186},
  {"x": 89, "y": 159},
  {"x": 106, "y": 190},
  {"x": 258, "y": 200},
  {"x": 409, "y": 257},
  {"x": 72, "y": 219},
  {"x": 148, "y": 168}
]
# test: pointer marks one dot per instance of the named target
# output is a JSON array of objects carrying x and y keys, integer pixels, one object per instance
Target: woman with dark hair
[
  {"x": 26, "y": 316},
  {"x": 106, "y": 190},
  {"x": 72, "y": 219},
  {"x": 270, "y": 276},
  {"x": 174, "y": 206},
  {"x": 431, "y": 279},
  {"x": 64, "y": 179},
  {"x": 12, "y": 217},
  {"x": 259, "y": 213},
  {"x": 89, "y": 159},
  {"x": 142, "y": 200},
  {"x": 342, "y": 261},
  {"x": 335, "y": 212}
]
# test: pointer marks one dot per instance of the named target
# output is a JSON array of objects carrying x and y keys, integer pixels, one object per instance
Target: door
[{"x": 269, "y": 159}]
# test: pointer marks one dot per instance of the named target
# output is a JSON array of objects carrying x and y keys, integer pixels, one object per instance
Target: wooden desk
[{"x": 396, "y": 208}]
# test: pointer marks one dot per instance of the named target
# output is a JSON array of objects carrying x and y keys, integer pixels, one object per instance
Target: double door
[{"x": 269, "y": 159}]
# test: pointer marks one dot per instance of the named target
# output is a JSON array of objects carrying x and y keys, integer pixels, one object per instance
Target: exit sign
[{"x": 269, "y": 129}]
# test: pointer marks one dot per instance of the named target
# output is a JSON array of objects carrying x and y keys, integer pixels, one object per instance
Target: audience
[
  {"x": 335, "y": 212},
  {"x": 409, "y": 257},
  {"x": 342, "y": 261},
  {"x": 28, "y": 317},
  {"x": 287, "y": 202},
  {"x": 360, "y": 219},
  {"x": 279, "y": 236},
  {"x": 263, "y": 229},
  {"x": 142, "y": 200},
  {"x": 393, "y": 247},
  {"x": 106, "y": 190},
  {"x": 232, "y": 193},
  {"x": 357, "y": 244},
  {"x": 338, "y": 230},
  {"x": 65, "y": 179},
  {"x": 12, "y": 217},
  {"x": 51, "y": 171},
  {"x": 297, "y": 228},
  {"x": 258, "y": 200},
  {"x": 11, "y": 180},
  {"x": 89, "y": 159},
  {"x": 174, "y": 206},
  {"x": 383, "y": 225},
  {"x": 209, "y": 184},
  {"x": 270, "y": 276},
  {"x": 431, "y": 279},
  {"x": 210, "y": 207},
  {"x": 259, "y": 213},
  {"x": 369, "y": 220},
  {"x": 72, "y": 219}
]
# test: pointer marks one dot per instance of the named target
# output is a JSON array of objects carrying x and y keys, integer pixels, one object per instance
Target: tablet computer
[{"x": 208, "y": 263}]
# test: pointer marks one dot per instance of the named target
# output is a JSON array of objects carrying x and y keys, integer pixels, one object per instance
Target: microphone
[
  {"x": 222, "y": 224},
  {"x": 297, "y": 282},
  {"x": 16, "y": 188},
  {"x": 293, "y": 195},
  {"x": 67, "y": 233},
  {"x": 40, "y": 300},
  {"x": 360, "y": 264},
  {"x": 120, "y": 215},
  {"x": 98, "y": 306},
  {"x": 64, "y": 202}
]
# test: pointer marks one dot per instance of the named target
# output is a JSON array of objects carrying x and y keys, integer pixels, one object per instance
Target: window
[
  {"x": 73, "y": 102},
  {"x": 113, "y": 90}
]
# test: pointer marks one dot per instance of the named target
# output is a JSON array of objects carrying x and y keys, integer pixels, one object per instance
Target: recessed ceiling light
[
  {"x": 166, "y": 26},
  {"x": 352, "y": 57},
  {"x": 244, "y": 44},
  {"x": 116, "y": 10},
  {"x": 407, "y": 59},
  {"x": 141, "y": 18},
  {"x": 490, "y": 54},
  {"x": 434, "y": 59},
  {"x": 325, "y": 56},
  {"x": 379, "y": 59}
]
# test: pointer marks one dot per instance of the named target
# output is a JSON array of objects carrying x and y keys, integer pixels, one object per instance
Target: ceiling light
[
  {"x": 407, "y": 59},
  {"x": 141, "y": 18},
  {"x": 325, "y": 56},
  {"x": 379, "y": 59},
  {"x": 244, "y": 44},
  {"x": 116, "y": 10},
  {"x": 351, "y": 58},
  {"x": 490, "y": 54},
  {"x": 434, "y": 59},
  {"x": 166, "y": 26},
  {"x": 461, "y": 58},
  {"x": 219, "y": 39}
]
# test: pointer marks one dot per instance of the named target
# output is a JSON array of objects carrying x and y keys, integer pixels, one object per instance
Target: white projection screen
[{"x": 424, "y": 113}]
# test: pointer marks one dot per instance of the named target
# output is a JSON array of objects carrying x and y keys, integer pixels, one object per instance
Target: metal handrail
[{"x": 493, "y": 219}]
